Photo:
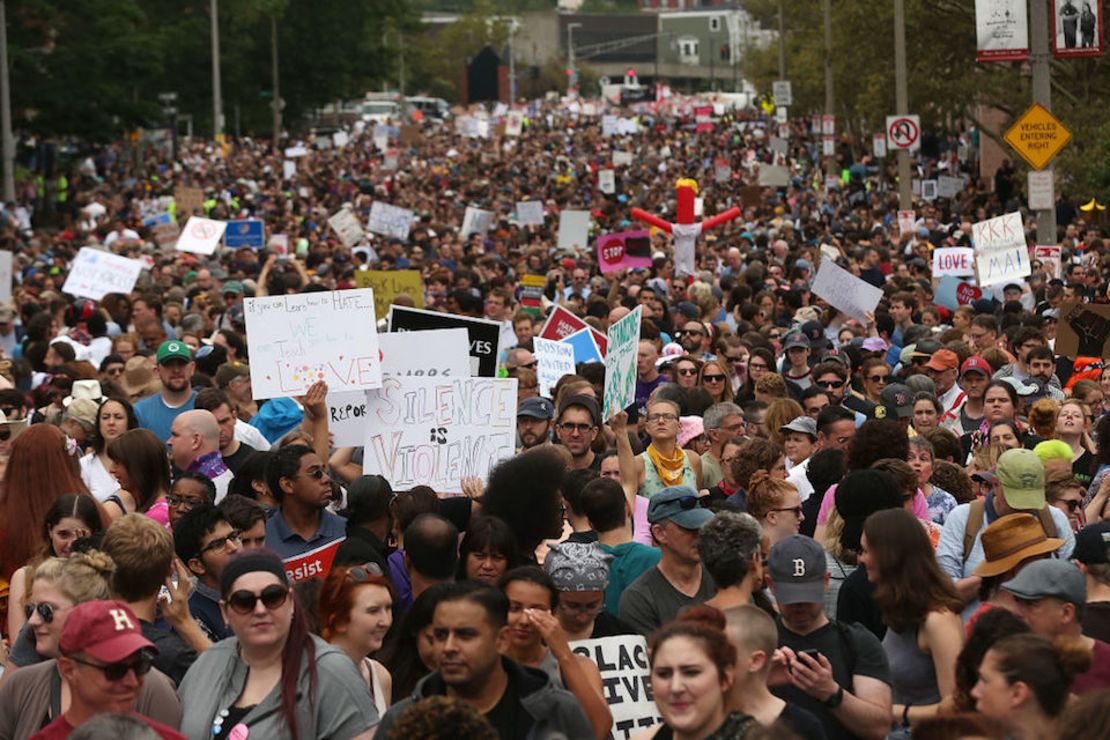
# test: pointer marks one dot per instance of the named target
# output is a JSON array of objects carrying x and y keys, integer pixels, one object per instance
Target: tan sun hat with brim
[{"x": 1010, "y": 539}]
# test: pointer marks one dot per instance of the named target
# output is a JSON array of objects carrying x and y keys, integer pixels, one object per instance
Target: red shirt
[{"x": 60, "y": 728}]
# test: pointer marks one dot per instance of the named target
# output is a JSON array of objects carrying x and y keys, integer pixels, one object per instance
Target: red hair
[
  {"x": 39, "y": 472},
  {"x": 337, "y": 597},
  {"x": 703, "y": 624}
]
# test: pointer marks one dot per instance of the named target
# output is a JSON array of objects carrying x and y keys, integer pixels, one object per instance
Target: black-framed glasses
[
  {"x": 117, "y": 671},
  {"x": 713, "y": 378},
  {"x": 689, "y": 332},
  {"x": 272, "y": 597},
  {"x": 220, "y": 543},
  {"x": 581, "y": 427},
  {"x": 186, "y": 503},
  {"x": 652, "y": 418},
  {"x": 796, "y": 510},
  {"x": 360, "y": 573},
  {"x": 46, "y": 612},
  {"x": 830, "y": 383}
]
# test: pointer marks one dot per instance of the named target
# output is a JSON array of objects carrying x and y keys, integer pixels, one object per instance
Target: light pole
[
  {"x": 7, "y": 142},
  {"x": 572, "y": 78},
  {"x": 217, "y": 102},
  {"x": 1042, "y": 93},
  {"x": 782, "y": 41},
  {"x": 901, "y": 102},
  {"x": 276, "y": 102}
]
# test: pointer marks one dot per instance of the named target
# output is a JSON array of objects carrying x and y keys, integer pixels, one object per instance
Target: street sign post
[{"x": 903, "y": 132}]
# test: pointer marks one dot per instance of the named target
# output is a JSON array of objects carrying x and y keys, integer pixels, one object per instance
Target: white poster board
[
  {"x": 201, "y": 235},
  {"x": 439, "y": 353},
  {"x": 288, "y": 169},
  {"x": 844, "y": 291},
  {"x": 620, "y": 364},
  {"x": 93, "y": 274},
  {"x": 296, "y": 340},
  {"x": 1042, "y": 195},
  {"x": 622, "y": 159},
  {"x": 958, "y": 261},
  {"x": 346, "y": 225},
  {"x": 948, "y": 186},
  {"x": 606, "y": 182},
  {"x": 574, "y": 230},
  {"x": 1000, "y": 250},
  {"x": 626, "y": 675},
  {"x": 530, "y": 212},
  {"x": 1051, "y": 256},
  {"x": 773, "y": 176},
  {"x": 476, "y": 221},
  {"x": 553, "y": 361},
  {"x": 6, "y": 276},
  {"x": 390, "y": 220},
  {"x": 435, "y": 432}
]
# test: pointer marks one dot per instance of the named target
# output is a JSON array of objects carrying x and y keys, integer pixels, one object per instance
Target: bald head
[{"x": 194, "y": 433}]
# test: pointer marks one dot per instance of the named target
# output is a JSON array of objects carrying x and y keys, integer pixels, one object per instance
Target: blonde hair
[
  {"x": 780, "y": 412},
  {"x": 771, "y": 384},
  {"x": 84, "y": 576}
]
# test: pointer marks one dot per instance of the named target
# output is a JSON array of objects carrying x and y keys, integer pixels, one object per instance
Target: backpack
[{"x": 978, "y": 509}]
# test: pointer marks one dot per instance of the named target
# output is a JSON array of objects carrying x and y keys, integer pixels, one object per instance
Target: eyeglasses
[
  {"x": 360, "y": 573},
  {"x": 117, "y": 671},
  {"x": 185, "y": 503},
  {"x": 271, "y": 597},
  {"x": 220, "y": 543},
  {"x": 692, "y": 502},
  {"x": 114, "y": 371},
  {"x": 830, "y": 383},
  {"x": 689, "y": 332},
  {"x": 713, "y": 378},
  {"x": 878, "y": 378},
  {"x": 653, "y": 418},
  {"x": 1071, "y": 503},
  {"x": 581, "y": 428},
  {"x": 317, "y": 473},
  {"x": 530, "y": 365},
  {"x": 757, "y": 366},
  {"x": 687, "y": 371},
  {"x": 797, "y": 510},
  {"x": 46, "y": 612}
]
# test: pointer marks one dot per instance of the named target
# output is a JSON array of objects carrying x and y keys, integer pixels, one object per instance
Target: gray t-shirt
[{"x": 651, "y": 600}]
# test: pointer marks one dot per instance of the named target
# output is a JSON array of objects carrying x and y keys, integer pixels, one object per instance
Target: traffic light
[{"x": 630, "y": 78}]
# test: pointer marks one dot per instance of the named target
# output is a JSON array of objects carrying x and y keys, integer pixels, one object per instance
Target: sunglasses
[
  {"x": 117, "y": 671},
  {"x": 360, "y": 573},
  {"x": 689, "y": 333},
  {"x": 271, "y": 597},
  {"x": 317, "y": 473},
  {"x": 713, "y": 378},
  {"x": 1072, "y": 504},
  {"x": 878, "y": 378},
  {"x": 46, "y": 612},
  {"x": 687, "y": 371},
  {"x": 692, "y": 502},
  {"x": 830, "y": 383}
]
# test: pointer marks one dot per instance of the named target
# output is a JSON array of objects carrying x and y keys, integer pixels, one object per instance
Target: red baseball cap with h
[{"x": 105, "y": 630}]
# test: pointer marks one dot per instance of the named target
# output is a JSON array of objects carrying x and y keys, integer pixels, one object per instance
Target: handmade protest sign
[
  {"x": 249, "y": 232},
  {"x": 622, "y": 159},
  {"x": 388, "y": 284},
  {"x": 187, "y": 200},
  {"x": 1083, "y": 330},
  {"x": 484, "y": 334},
  {"x": 476, "y": 221},
  {"x": 530, "y": 212},
  {"x": 340, "y": 139},
  {"x": 952, "y": 292},
  {"x": 435, "y": 432},
  {"x": 606, "y": 182},
  {"x": 626, "y": 249},
  {"x": 949, "y": 187},
  {"x": 959, "y": 261},
  {"x": 1051, "y": 256},
  {"x": 560, "y": 324},
  {"x": 296, "y": 340},
  {"x": 440, "y": 353},
  {"x": 200, "y": 235},
  {"x": 346, "y": 226},
  {"x": 390, "y": 220},
  {"x": 553, "y": 361},
  {"x": 1001, "y": 252},
  {"x": 843, "y": 290},
  {"x": 620, "y": 364},
  {"x": 574, "y": 229},
  {"x": 6, "y": 276},
  {"x": 626, "y": 680},
  {"x": 94, "y": 274},
  {"x": 313, "y": 564},
  {"x": 773, "y": 176},
  {"x": 585, "y": 347}
]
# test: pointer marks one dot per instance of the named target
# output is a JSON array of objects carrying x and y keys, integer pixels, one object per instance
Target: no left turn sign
[{"x": 903, "y": 132}]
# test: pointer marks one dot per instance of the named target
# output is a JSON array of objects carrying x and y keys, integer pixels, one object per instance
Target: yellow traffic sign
[{"x": 1038, "y": 136}]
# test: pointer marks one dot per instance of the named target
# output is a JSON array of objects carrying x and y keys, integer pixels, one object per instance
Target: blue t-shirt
[
  {"x": 155, "y": 415},
  {"x": 288, "y": 544}
]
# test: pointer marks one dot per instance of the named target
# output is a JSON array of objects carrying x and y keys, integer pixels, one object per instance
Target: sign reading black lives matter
[{"x": 625, "y": 681}]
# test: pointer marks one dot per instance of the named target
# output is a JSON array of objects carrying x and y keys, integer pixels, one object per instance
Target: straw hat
[{"x": 1013, "y": 538}]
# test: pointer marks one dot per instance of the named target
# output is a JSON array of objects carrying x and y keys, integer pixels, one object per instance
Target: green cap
[
  {"x": 174, "y": 350},
  {"x": 1021, "y": 474},
  {"x": 232, "y": 286}
]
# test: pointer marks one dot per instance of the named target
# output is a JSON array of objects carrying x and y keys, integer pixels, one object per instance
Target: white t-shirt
[
  {"x": 100, "y": 482},
  {"x": 250, "y": 436}
]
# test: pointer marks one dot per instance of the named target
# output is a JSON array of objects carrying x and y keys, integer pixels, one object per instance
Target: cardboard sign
[
  {"x": 188, "y": 201},
  {"x": 514, "y": 124},
  {"x": 620, "y": 364},
  {"x": 626, "y": 676},
  {"x": 166, "y": 235},
  {"x": 441, "y": 353},
  {"x": 606, "y": 182},
  {"x": 530, "y": 212},
  {"x": 1001, "y": 253},
  {"x": 560, "y": 324},
  {"x": 622, "y": 159},
  {"x": 346, "y": 226},
  {"x": 427, "y": 431},
  {"x": 6, "y": 276},
  {"x": 388, "y": 284},
  {"x": 773, "y": 176},
  {"x": 844, "y": 291},
  {"x": 1083, "y": 330},
  {"x": 390, "y": 220},
  {"x": 288, "y": 169},
  {"x": 93, "y": 274},
  {"x": 531, "y": 294},
  {"x": 959, "y": 261},
  {"x": 485, "y": 335},
  {"x": 201, "y": 235},
  {"x": 952, "y": 292},
  {"x": 296, "y": 340},
  {"x": 1042, "y": 190},
  {"x": 340, "y": 139},
  {"x": 949, "y": 187},
  {"x": 574, "y": 230},
  {"x": 626, "y": 249},
  {"x": 313, "y": 564},
  {"x": 1051, "y": 257},
  {"x": 609, "y": 125},
  {"x": 585, "y": 348},
  {"x": 906, "y": 221},
  {"x": 553, "y": 361},
  {"x": 293, "y": 152},
  {"x": 250, "y": 232},
  {"x": 476, "y": 221}
]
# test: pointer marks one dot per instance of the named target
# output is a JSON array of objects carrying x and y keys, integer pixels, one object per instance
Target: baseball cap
[
  {"x": 1092, "y": 544},
  {"x": 680, "y": 504},
  {"x": 976, "y": 364},
  {"x": 797, "y": 565},
  {"x": 1021, "y": 474},
  {"x": 1022, "y": 388},
  {"x": 803, "y": 424},
  {"x": 796, "y": 339},
  {"x": 896, "y": 399},
  {"x": 926, "y": 348},
  {"x": 107, "y": 631},
  {"x": 1010, "y": 539},
  {"x": 943, "y": 359},
  {"x": 1042, "y": 579},
  {"x": 232, "y": 286},
  {"x": 173, "y": 349},
  {"x": 537, "y": 408},
  {"x": 687, "y": 309},
  {"x": 875, "y": 344}
]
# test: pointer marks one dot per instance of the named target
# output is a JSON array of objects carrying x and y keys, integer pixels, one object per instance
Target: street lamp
[{"x": 572, "y": 77}]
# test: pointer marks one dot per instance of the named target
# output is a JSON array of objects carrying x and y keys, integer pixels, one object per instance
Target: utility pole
[
  {"x": 572, "y": 78},
  {"x": 217, "y": 95},
  {"x": 512, "y": 62},
  {"x": 782, "y": 41},
  {"x": 830, "y": 108},
  {"x": 901, "y": 101},
  {"x": 8, "y": 141},
  {"x": 1042, "y": 93},
  {"x": 276, "y": 102}
]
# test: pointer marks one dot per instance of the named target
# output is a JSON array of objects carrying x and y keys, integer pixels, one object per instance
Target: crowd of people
[{"x": 818, "y": 526}]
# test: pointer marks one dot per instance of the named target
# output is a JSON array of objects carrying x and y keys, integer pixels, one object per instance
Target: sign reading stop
[{"x": 903, "y": 132}]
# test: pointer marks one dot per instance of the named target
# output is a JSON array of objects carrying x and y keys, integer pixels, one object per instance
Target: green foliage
[{"x": 444, "y": 53}]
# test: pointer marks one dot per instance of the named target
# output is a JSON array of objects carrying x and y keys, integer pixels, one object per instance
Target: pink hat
[{"x": 690, "y": 427}]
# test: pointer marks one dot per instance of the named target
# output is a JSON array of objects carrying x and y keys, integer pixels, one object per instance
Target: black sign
[{"x": 483, "y": 334}]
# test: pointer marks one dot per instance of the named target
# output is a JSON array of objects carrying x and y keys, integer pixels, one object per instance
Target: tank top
[
  {"x": 550, "y": 666},
  {"x": 653, "y": 483},
  {"x": 914, "y": 678}
]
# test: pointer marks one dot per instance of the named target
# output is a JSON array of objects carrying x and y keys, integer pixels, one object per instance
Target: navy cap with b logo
[{"x": 797, "y": 565}]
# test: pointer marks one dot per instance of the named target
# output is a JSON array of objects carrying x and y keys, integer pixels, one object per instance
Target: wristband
[
  {"x": 836, "y": 699},
  {"x": 906, "y": 714}
]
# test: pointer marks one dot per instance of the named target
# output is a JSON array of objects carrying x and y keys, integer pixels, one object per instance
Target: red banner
[{"x": 313, "y": 564}]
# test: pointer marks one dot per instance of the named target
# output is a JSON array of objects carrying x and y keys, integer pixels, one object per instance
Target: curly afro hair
[{"x": 526, "y": 493}]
